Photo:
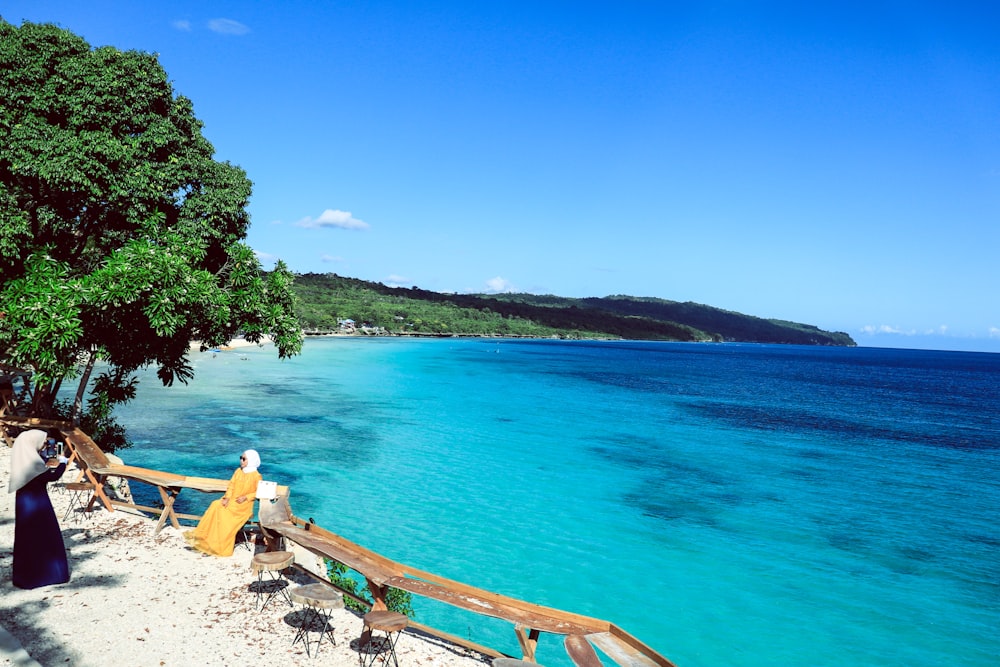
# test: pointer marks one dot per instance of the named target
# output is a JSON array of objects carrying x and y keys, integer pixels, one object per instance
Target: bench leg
[{"x": 168, "y": 496}]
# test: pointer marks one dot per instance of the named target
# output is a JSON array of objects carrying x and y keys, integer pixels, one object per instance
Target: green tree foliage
[
  {"x": 325, "y": 298},
  {"x": 121, "y": 238},
  {"x": 724, "y": 325},
  {"x": 396, "y": 600}
]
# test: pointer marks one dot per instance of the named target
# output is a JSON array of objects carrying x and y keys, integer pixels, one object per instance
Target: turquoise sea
[{"x": 740, "y": 505}]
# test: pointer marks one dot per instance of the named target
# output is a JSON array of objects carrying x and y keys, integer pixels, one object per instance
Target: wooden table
[
  {"x": 274, "y": 563},
  {"x": 392, "y": 625},
  {"x": 318, "y": 602}
]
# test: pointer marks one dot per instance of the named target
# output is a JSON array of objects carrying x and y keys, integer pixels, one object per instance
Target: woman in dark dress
[{"x": 39, "y": 552}]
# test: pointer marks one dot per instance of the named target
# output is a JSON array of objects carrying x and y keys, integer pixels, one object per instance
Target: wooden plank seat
[
  {"x": 580, "y": 652},
  {"x": 97, "y": 467},
  {"x": 383, "y": 574},
  {"x": 528, "y": 618},
  {"x": 626, "y": 650},
  {"x": 322, "y": 543},
  {"x": 388, "y": 573},
  {"x": 486, "y": 603}
]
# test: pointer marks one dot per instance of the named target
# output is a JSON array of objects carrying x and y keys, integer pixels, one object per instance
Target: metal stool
[
  {"x": 246, "y": 532},
  {"x": 274, "y": 563},
  {"x": 388, "y": 622},
  {"x": 78, "y": 491},
  {"x": 318, "y": 602}
]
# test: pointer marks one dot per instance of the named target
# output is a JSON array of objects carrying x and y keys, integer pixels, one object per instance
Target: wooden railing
[{"x": 529, "y": 620}]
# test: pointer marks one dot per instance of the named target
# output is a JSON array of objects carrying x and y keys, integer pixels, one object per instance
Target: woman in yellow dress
[{"x": 216, "y": 532}]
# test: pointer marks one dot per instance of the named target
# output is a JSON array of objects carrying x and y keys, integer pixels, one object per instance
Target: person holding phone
[{"x": 39, "y": 552}]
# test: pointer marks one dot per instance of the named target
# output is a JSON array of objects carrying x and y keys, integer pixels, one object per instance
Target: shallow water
[{"x": 727, "y": 504}]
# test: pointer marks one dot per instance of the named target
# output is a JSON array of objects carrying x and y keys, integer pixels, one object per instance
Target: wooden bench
[
  {"x": 97, "y": 467},
  {"x": 528, "y": 619},
  {"x": 626, "y": 650},
  {"x": 486, "y": 603}
]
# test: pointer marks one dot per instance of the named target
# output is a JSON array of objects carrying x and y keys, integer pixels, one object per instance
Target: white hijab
[
  {"x": 253, "y": 461},
  {"x": 25, "y": 463}
]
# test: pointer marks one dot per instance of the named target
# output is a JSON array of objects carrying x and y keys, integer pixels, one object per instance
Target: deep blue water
[{"x": 727, "y": 504}]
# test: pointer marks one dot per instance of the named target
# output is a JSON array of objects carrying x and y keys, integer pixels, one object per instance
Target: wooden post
[
  {"x": 528, "y": 639},
  {"x": 168, "y": 496},
  {"x": 379, "y": 594}
]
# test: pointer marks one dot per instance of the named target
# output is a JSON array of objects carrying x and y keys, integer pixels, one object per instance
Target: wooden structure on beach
[
  {"x": 12, "y": 398},
  {"x": 582, "y": 633}
]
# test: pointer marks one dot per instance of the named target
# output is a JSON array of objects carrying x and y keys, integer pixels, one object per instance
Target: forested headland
[{"x": 326, "y": 301}]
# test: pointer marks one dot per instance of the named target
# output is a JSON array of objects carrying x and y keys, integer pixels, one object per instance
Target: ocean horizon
[{"x": 725, "y": 503}]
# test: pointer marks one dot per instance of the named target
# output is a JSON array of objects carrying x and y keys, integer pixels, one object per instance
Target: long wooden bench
[
  {"x": 528, "y": 619},
  {"x": 97, "y": 467},
  {"x": 325, "y": 544}
]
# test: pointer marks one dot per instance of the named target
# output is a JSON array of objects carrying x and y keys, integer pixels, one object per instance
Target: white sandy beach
[
  {"x": 235, "y": 343},
  {"x": 139, "y": 600}
]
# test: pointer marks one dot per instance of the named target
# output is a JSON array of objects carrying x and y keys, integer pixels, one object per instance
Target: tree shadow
[{"x": 23, "y": 618}]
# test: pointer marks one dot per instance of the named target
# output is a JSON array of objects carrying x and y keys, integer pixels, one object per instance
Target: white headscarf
[
  {"x": 253, "y": 460},
  {"x": 25, "y": 463}
]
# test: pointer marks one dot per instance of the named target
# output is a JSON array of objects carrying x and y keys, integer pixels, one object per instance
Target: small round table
[
  {"x": 389, "y": 622},
  {"x": 79, "y": 491},
  {"x": 274, "y": 563},
  {"x": 318, "y": 602}
]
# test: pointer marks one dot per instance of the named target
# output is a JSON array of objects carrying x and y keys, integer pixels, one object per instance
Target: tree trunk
[
  {"x": 41, "y": 401},
  {"x": 82, "y": 388}
]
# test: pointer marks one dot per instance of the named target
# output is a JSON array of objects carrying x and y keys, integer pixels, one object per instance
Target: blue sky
[{"x": 835, "y": 163}]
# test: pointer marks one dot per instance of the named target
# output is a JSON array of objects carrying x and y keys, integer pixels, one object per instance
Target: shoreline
[
  {"x": 236, "y": 343},
  {"x": 161, "y": 603}
]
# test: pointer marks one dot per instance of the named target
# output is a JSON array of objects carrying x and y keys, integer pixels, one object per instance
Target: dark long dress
[{"x": 39, "y": 552}]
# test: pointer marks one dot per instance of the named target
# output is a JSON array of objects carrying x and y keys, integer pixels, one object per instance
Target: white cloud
[
  {"x": 498, "y": 285},
  {"x": 333, "y": 218},
  {"x": 182, "y": 25},
  {"x": 397, "y": 281},
  {"x": 871, "y": 329},
  {"x": 994, "y": 332},
  {"x": 227, "y": 27},
  {"x": 330, "y": 258}
]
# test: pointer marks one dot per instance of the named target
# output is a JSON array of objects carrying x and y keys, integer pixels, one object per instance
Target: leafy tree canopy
[
  {"x": 121, "y": 238},
  {"x": 324, "y": 299}
]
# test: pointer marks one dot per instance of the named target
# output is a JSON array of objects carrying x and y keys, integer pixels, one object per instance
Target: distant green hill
[{"x": 326, "y": 299}]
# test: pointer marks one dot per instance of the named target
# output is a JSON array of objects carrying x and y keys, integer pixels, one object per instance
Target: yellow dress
[{"x": 216, "y": 532}]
